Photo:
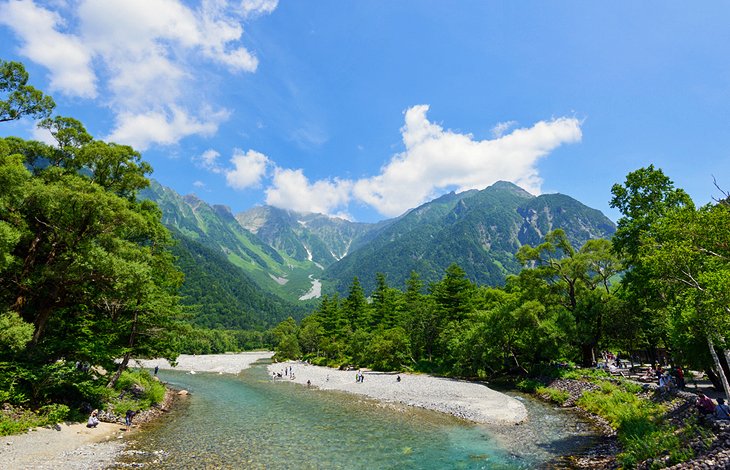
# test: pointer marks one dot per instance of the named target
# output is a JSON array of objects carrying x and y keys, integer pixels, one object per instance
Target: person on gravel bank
[{"x": 93, "y": 419}]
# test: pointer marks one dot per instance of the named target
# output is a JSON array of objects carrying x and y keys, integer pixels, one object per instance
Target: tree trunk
[
  {"x": 587, "y": 355},
  {"x": 128, "y": 354},
  {"x": 714, "y": 379},
  {"x": 726, "y": 353},
  {"x": 720, "y": 370},
  {"x": 40, "y": 323},
  {"x": 44, "y": 313},
  {"x": 120, "y": 369}
]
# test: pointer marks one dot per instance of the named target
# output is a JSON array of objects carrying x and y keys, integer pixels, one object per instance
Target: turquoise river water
[{"x": 248, "y": 421}]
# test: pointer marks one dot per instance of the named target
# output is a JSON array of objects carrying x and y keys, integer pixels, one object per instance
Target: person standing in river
[{"x": 128, "y": 418}]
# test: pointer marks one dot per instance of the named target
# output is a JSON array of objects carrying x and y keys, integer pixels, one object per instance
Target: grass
[
  {"x": 640, "y": 425},
  {"x": 553, "y": 394},
  {"x": 528, "y": 385}
]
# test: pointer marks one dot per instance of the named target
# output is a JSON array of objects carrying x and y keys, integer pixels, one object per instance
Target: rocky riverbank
[{"x": 711, "y": 451}]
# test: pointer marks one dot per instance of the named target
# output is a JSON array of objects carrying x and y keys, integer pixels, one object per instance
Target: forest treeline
[{"x": 662, "y": 283}]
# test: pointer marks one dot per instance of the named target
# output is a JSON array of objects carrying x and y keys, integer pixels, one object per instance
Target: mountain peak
[{"x": 511, "y": 187}]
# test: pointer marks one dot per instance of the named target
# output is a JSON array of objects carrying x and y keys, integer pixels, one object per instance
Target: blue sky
[{"x": 365, "y": 109}]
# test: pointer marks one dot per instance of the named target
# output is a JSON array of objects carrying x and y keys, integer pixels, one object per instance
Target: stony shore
[
  {"x": 467, "y": 400},
  {"x": 72, "y": 446},
  {"x": 223, "y": 363}
]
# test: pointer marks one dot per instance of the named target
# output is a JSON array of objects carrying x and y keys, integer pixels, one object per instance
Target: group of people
[
  {"x": 707, "y": 407},
  {"x": 668, "y": 379},
  {"x": 610, "y": 359},
  {"x": 93, "y": 420},
  {"x": 288, "y": 372}
]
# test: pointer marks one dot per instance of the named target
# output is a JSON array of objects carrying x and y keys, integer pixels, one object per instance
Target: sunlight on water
[{"x": 246, "y": 421}]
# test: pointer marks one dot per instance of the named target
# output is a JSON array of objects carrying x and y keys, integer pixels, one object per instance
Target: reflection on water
[{"x": 246, "y": 421}]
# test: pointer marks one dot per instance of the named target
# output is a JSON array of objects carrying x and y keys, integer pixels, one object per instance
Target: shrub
[
  {"x": 583, "y": 374},
  {"x": 553, "y": 394},
  {"x": 528, "y": 385},
  {"x": 149, "y": 391},
  {"x": 18, "y": 420},
  {"x": 639, "y": 424}
]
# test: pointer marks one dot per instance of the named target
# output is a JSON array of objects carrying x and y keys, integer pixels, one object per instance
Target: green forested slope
[
  {"x": 479, "y": 230},
  {"x": 216, "y": 228},
  {"x": 221, "y": 295}
]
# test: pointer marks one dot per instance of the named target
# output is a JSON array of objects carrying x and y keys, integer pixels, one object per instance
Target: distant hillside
[
  {"x": 305, "y": 237},
  {"x": 287, "y": 253},
  {"x": 221, "y": 295},
  {"x": 216, "y": 228},
  {"x": 479, "y": 230}
]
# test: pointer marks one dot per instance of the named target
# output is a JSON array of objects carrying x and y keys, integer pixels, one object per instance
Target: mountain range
[{"x": 287, "y": 255}]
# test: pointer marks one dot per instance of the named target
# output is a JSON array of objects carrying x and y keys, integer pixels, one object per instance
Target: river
[{"x": 248, "y": 421}]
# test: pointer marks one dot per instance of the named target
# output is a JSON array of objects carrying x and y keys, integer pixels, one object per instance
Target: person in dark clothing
[{"x": 128, "y": 418}]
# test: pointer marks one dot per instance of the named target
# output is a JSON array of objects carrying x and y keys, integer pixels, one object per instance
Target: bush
[
  {"x": 528, "y": 385},
  {"x": 553, "y": 394},
  {"x": 19, "y": 420},
  {"x": 138, "y": 390},
  {"x": 583, "y": 374}
]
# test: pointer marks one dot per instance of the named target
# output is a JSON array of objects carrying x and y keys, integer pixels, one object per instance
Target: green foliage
[
  {"x": 86, "y": 274},
  {"x": 553, "y": 394},
  {"x": 138, "y": 391},
  {"x": 18, "y": 420},
  {"x": 194, "y": 340},
  {"x": 389, "y": 350},
  {"x": 641, "y": 429},
  {"x": 220, "y": 295},
  {"x": 287, "y": 348},
  {"x": 528, "y": 385},
  {"x": 17, "y": 98},
  {"x": 591, "y": 375},
  {"x": 14, "y": 332}
]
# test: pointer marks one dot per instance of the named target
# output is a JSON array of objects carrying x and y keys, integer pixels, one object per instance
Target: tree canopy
[{"x": 86, "y": 272}]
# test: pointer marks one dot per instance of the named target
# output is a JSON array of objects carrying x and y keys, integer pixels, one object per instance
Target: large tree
[
  {"x": 578, "y": 281},
  {"x": 83, "y": 262},
  {"x": 689, "y": 253}
]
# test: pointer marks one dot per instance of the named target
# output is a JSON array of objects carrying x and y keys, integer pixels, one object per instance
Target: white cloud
[
  {"x": 258, "y": 7},
  {"x": 502, "y": 127},
  {"x": 64, "y": 55},
  {"x": 436, "y": 159},
  {"x": 161, "y": 127},
  {"x": 248, "y": 169},
  {"x": 292, "y": 190},
  {"x": 141, "y": 53},
  {"x": 42, "y": 134},
  {"x": 199, "y": 184},
  {"x": 209, "y": 161}
]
